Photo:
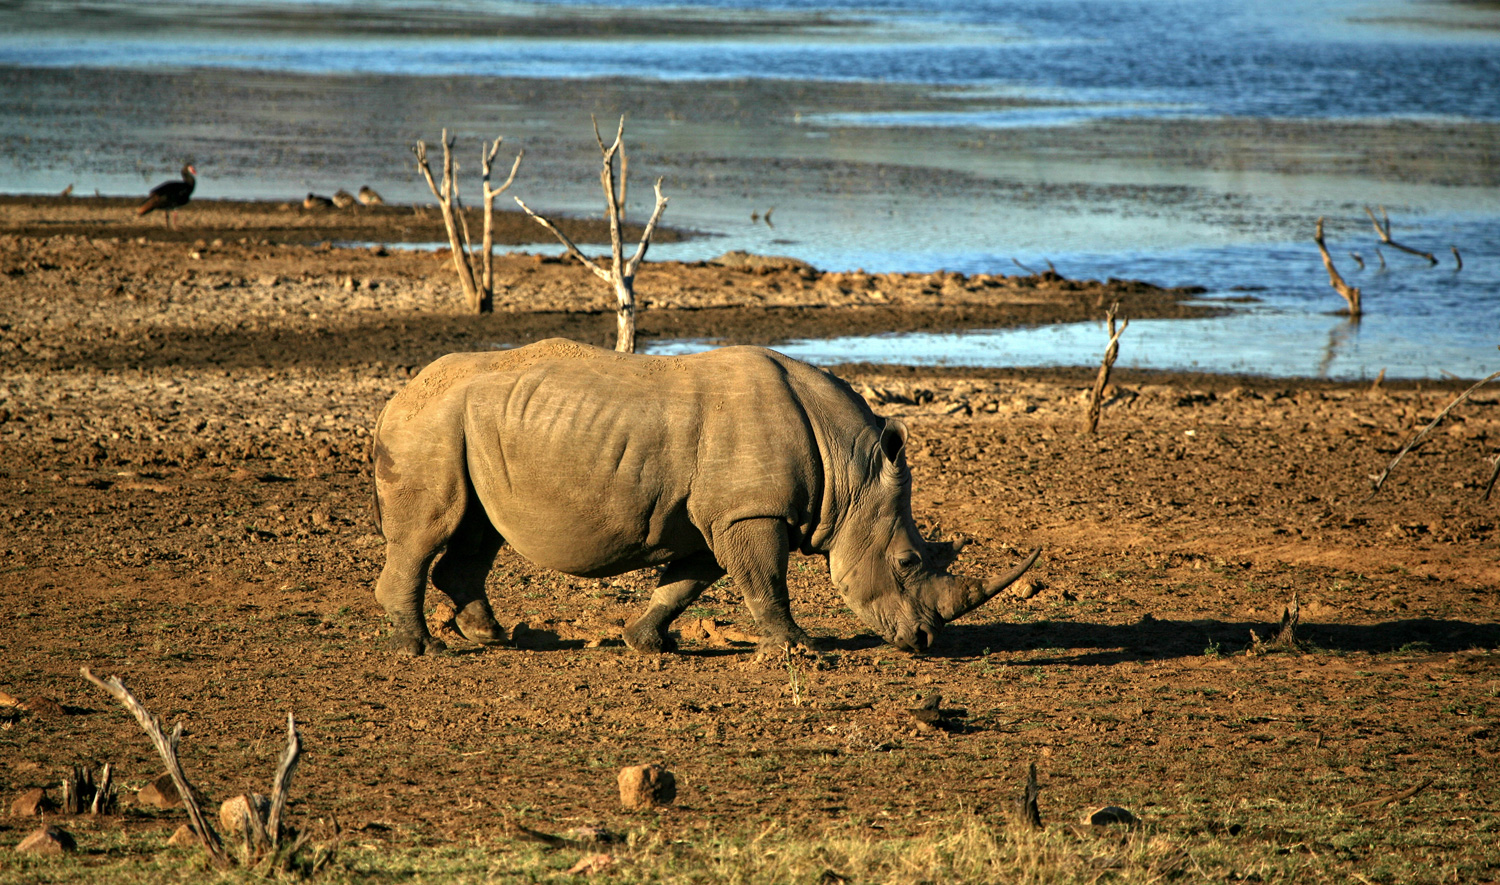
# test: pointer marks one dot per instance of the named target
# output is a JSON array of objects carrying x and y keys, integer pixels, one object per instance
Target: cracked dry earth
[{"x": 185, "y": 502}]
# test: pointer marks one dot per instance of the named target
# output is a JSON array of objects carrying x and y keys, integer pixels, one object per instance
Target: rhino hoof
[
  {"x": 648, "y": 641},
  {"x": 416, "y": 646}
]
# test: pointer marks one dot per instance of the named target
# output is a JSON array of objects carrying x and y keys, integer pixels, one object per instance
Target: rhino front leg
[
  {"x": 755, "y": 552},
  {"x": 681, "y": 582},
  {"x": 460, "y": 573}
]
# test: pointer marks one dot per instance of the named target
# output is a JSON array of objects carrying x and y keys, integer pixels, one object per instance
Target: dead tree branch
[
  {"x": 284, "y": 773},
  {"x": 1384, "y": 232},
  {"x": 621, "y": 274},
  {"x": 1096, "y": 397},
  {"x": 1350, "y": 293},
  {"x": 475, "y": 273},
  {"x": 1458, "y": 260},
  {"x": 166, "y": 747},
  {"x": 1380, "y": 481}
]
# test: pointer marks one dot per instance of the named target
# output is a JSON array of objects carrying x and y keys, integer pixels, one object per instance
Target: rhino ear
[{"x": 892, "y": 439}]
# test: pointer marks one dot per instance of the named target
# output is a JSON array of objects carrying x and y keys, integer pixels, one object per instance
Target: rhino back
[{"x": 596, "y": 463}]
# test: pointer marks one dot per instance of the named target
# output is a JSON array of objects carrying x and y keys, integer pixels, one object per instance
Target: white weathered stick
[
  {"x": 1380, "y": 481},
  {"x": 166, "y": 747},
  {"x": 490, "y": 193},
  {"x": 1111, "y": 352},
  {"x": 283, "y": 781},
  {"x": 621, "y": 274}
]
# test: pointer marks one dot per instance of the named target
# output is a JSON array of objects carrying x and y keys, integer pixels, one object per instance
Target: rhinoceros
[{"x": 596, "y": 463}]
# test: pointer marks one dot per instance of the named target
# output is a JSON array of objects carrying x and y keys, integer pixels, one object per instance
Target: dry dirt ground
[{"x": 185, "y": 502}]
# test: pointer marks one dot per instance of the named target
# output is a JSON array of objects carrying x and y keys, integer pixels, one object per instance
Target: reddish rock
[
  {"x": 49, "y": 840},
  {"x": 645, "y": 786},
  {"x": 183, "y": 837},
  {"x": 31, "y": 803},
  {"x": 160, "y": 793}
]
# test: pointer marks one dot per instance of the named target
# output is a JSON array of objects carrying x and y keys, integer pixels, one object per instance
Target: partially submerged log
[
  {"x": 1384, "y": 232},
  {"x": 1350, "y": 293}
]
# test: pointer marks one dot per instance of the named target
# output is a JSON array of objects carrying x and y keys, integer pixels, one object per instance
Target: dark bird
[
  {"x": 316, "y": 201},
  {"x": 171, "y": 196}
]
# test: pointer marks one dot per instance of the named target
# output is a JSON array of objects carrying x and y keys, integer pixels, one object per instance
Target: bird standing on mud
[{"x": 171, "y": 196}]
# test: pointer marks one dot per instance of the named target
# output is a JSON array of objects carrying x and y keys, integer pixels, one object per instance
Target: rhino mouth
[{"x": 917, "y": 641}]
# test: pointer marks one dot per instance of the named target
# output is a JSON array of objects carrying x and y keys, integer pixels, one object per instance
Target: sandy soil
[{"x": 185, "y": 501}]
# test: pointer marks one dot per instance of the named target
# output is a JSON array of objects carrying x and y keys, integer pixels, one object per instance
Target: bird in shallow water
[{"x": 171, "y": 196}]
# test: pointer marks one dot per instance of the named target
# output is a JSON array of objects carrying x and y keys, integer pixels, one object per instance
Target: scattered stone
[
  {"x": 160, "y": 793},
  {"x": 645, "y": 786},
  {"x": 44, "y": 708},
  {"x": 49, "y": 840},
  {"x": 183, "y": 837},
  {"x": 235, "y": 814},
  {"x": 1109, "y": 814},
  {"x": 1027, "y": 588},
  {"x": 589, "y": 865},
  {"x": 31, "y": 803}
]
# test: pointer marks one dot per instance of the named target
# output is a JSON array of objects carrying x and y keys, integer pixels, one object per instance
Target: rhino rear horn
[{"x": 963, "y": 595}]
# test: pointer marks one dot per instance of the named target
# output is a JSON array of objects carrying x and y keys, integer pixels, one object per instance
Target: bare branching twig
[
  {"x": 621, "y": 273},
  {"x": 1350, "y": 293},
  {"x": 166, "y": 747},
  {"x": 1383, "y": 230},
  {"x": 1096, "y": 396},
  {"x": 475, "y": 272},
  {"x": 1385, "y": 474}
]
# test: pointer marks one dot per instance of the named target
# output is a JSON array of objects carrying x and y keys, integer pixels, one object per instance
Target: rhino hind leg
[
  {"x": 681, "y": 582},
  {"x": 400, "y": 591},
  {"x": 460, "y": 572}
]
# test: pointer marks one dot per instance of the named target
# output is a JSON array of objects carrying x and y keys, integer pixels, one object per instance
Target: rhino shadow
[{"x": 1086, "y": 644}]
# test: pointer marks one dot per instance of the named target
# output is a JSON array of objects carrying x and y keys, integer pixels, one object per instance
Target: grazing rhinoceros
[{"x": 596, "y": 463}]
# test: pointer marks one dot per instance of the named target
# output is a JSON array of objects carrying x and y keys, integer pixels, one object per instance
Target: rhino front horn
[{"x": 963, "y": 595}]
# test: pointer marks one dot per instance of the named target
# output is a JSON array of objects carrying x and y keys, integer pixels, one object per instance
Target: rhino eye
[{"x": 909, "y": 559}]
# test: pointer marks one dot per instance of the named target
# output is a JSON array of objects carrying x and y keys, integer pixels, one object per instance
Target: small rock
[
  {"x": 31, "y": 803},
  {"x": 49, "y": 840},
  {"x": 644, "y": 786},
  {"x": 45, "y": 708},
  {"x": 1108, "y": 814},
  {"x": 1027, "y": 589},
  {"x": 587, "y": 866},
  {"x": 235, "y": 814},
  {"x": 160, "y": 793},
  {"x": 183, "y": 837}
]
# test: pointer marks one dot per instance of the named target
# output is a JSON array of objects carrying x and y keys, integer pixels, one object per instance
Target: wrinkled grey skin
[{"x": 595, "y": 463}]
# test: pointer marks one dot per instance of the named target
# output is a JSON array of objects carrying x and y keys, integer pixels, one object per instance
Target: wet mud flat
[{"x": 185, "y": 502}]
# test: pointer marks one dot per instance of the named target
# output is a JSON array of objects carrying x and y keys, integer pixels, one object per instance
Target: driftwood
[
  {"x": 1458, "y": 260},
  {"x": 1112, "y": 351},
  {"x": 1350, "y": 293},
  {"x": 476, "y": 273},
  {"x": 621, "y": 273},
  {"x": 166, "y": 747},
  {"x": 1385, "y": 474},
  {"x": 1358, "y": 259},
  {"x": 1384, "y": 232}
]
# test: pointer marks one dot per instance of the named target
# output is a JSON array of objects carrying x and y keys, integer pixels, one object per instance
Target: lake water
[{"x": 994, "y": 69}]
